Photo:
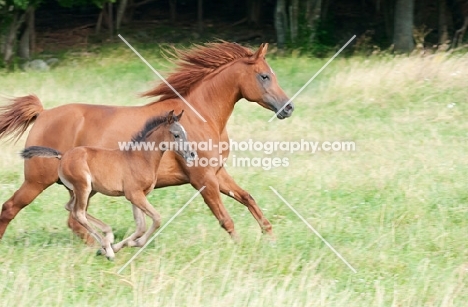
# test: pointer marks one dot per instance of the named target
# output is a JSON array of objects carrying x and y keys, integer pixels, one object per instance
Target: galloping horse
[
  {"x": 133, "y": 174},
  {"x": 211, "y": 77}
]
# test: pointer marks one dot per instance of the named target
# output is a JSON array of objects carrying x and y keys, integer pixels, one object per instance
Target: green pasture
[{"x": 396, "y": 208}]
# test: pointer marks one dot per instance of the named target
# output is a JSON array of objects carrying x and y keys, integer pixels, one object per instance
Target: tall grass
[{"x": 396, "y": 208}]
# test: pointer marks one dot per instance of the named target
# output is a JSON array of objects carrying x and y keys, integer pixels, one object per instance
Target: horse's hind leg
[
  {"x": 229, "y": 187},
  {"x": 74, "y": 225},
  {"x": 106, "y": 229},
  {"x": 36, "y": 181},
  {"x": 82, "y": 192},
  {"x": 77, "y": 228},
  {"x": 20, "y": 199},
  {"x": 140, "y": 222}
]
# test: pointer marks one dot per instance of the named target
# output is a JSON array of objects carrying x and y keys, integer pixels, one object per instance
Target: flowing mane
[
  {"x": 151, "y": 124},
  {"x": 194, "y": 64}
]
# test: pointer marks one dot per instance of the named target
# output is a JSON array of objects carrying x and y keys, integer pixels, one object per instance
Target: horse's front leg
[
  {"x": 212, "y": 198},
  {"x": 140, "y": 221},
  {"x": 138, "y": 199},
  {"x": 229, "y": 187}
]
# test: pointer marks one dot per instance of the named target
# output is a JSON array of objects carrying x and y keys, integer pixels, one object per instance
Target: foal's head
[
  {"x": 168, "y": 133},
  {"x": 259, "y": 83}
]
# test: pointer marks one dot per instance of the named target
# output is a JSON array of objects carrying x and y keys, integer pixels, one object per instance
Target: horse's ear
[
  {"x": 170, "y": 117},
  {"x": 261, "y": 52},
  {"x": 177, "y": 117}
]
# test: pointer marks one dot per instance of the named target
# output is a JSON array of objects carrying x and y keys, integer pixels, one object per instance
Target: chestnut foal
[{"x": 86, "y": 170}]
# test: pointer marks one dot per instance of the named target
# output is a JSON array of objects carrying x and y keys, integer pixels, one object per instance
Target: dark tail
[
  {"x": 39, "y": 151},
  {"x": 16, "y": 116}
]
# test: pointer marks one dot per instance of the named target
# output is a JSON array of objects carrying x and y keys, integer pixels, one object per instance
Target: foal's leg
[
  {"x": 229, "y": 187},
  {"x": 79, "y": 230},
  {"x": 140, "y": 222},
  {"x": 82, "y": 191},
  {"x": 138, "y": 199},
  {"x": 69, "y": 205},
  {"x": 213, "y": 199},
  {"x": 106, "y": 229}
]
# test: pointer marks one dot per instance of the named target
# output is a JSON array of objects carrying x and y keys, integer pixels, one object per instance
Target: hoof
[
  {"x": 235, "y": 238},
  {"x": 134, "y": 243},
  {"x": 269, "y": 237}
]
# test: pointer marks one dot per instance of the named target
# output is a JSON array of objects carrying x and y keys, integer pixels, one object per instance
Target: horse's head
[
  {"x": 259, "y": 83},
  {"x": 179, "y": 136}
]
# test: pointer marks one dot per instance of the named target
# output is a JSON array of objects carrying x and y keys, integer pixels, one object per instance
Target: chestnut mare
[
  {"x": 113, "y": 172},
  {"x": 212, "y": 78}
]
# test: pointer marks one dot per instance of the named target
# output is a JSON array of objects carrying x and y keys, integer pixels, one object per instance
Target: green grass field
[{"x": 396, "y": 208}]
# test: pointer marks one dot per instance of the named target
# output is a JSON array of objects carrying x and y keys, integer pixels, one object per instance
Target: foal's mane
[
  {"x": 150, "y": 124},
  {"x": 194, "y": 64}
]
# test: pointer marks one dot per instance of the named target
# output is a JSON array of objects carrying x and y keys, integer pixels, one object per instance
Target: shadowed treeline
[{"x": 28, "y": 28}]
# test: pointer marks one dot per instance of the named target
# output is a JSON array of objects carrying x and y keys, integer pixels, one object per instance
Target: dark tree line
[
  {"x": 298, "y": 23},
  {"x": 402, "y": 23}
]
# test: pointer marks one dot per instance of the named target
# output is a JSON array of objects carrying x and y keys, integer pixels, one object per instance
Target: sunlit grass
[{"x": 396, "y": 208}]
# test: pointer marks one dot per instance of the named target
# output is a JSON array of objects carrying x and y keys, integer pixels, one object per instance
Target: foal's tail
[
  {"x": 18, "y": 114},
  {"x": 39, "y": 151}
]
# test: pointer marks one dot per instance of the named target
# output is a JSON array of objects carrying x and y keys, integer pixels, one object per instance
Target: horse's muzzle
[{"x": 286, "y": 111}]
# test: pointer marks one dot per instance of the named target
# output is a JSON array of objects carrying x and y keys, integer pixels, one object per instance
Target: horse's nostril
[{"x": 192, "y": 154}]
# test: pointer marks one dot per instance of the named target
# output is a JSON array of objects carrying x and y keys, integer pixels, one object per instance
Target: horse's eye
[
  {"x": 176, "y": 136},
  {"x": 265, "y": 77}
]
